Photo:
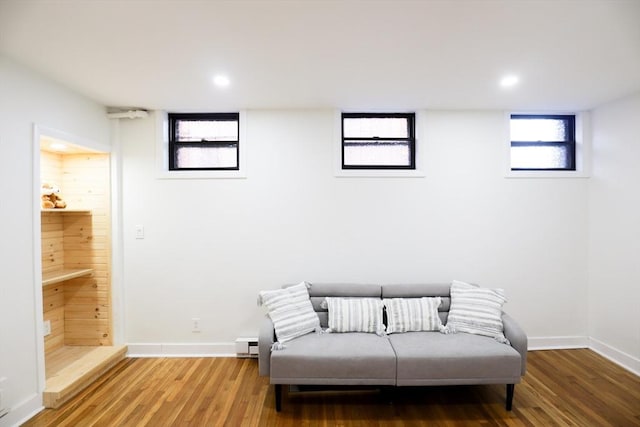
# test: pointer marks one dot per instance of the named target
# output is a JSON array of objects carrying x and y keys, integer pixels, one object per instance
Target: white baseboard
[
  {"x": 558, "y": 343},
  {"x": 23, "y": 411},
  {"x": 618, "y": 357},
  {"x": 182, "y": 349},
  {"x": 227, "y": 349}
]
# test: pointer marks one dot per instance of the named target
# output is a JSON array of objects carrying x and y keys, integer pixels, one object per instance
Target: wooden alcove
[{"x": 76, "y": 274}]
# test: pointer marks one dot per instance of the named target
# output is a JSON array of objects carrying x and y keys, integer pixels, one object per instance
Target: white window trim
[
  {"x": 583, "y": 149},
  {"x": 162, "y": 154},
  {"x": 418, "y": 172}
]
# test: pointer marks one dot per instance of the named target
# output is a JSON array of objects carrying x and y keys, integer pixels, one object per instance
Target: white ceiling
[{"x": 346, "y": 54}]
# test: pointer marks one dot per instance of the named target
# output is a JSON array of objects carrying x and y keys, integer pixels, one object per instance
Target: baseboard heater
[{"x": 247, "y": 348}]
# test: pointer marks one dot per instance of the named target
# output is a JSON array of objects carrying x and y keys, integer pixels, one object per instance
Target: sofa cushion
[
  {"x": 431, "y": 358},
  {"x": 355, "y": 315},
  {"x": 476, "y": 310},
  {"x": 291, "y": 311},
  {"x": 348, "y": 359},
  {"x": 412, "y": 314}
]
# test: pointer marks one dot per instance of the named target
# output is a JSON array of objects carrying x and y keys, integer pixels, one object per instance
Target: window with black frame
[
  {"x": 204, "y": 141},
  {"x": 378, "y": 141},
  {"x": 543, "y": 142}
]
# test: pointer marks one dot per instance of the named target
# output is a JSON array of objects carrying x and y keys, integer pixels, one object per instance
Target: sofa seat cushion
[
  {"x": 353, "y": 358},
  {"x": 432, "y": 358}
]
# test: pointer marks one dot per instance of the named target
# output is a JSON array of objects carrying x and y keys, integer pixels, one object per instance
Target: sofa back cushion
[
  {"x": 416, "y": 290},
  {"x": 319, "y": 291}
]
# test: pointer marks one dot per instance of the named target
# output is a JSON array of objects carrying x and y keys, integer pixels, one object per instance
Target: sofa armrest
[
  {"x": 518, "y": 338},
  {"x": 266, "y": 338}
]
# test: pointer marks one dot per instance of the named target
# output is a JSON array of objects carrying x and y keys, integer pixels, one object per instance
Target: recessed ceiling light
[
  {"x": 57, "y": 146},
  {"x": 509, "y": 81},
  {"x": 221, "y": 81}
]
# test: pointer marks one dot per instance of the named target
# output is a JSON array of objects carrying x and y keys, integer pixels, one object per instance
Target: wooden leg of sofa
[
  {"x": 510, "y": 389},
  {"x": 278, "y": 391}
]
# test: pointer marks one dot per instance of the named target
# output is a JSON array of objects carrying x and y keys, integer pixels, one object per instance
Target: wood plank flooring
[{"x": 561, "y": 388}]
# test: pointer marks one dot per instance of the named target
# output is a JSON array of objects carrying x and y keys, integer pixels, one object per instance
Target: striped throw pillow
[
  {"x": 355, "y": 315},
  {"x": 476, "y": 310},
  {"x": 291, "y": 311},
  {"x": 412, "y": 314}
]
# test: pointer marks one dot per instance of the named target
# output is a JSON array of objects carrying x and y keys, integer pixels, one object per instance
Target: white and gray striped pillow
[
  {"x": 476, "y": 310},
  {"x": 412, "y": 314},
  {"x": 355, "y": 315},
  {"x": 291, "y": 311}
]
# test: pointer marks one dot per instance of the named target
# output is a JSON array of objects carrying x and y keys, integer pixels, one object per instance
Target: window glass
[
  {"x": 376, "y": 127},
  {"x": 539, "y": 157},
  {"x": 538, "y": 130},
  {"x": 206, "y": 130},
  {"x": 206, "y": 157},
  {"x": 387, "y": 153}
]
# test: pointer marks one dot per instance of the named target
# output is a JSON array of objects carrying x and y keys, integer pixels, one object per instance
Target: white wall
[
  {"x": 27, "y": 99},
  {"x": 211, "y": 245},
  {"x": 614, "y": 229}
]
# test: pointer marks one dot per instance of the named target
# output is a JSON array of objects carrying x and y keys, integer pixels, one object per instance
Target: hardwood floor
[{"x": 561, "y": 388}]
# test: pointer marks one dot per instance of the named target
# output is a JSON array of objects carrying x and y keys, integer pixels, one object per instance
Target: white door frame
[{"x": 116, "y": 230}]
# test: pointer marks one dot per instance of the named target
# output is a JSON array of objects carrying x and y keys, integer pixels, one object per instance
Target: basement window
[
  {"x": 204, "y": 141},
  {"x": 543, "y": 142},
  {"x": 378, "y": 141}
]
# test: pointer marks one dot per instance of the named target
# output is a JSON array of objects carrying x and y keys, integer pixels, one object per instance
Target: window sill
[
  {"x": 379, "y": 173},
  {"x": 233, "y": 174},
  {"x": 546, "y": 174}
]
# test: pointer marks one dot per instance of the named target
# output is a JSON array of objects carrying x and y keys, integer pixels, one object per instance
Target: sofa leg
[
  {"x": 387, "y": 394},
  {"x": 510, "y": 390},
  {"x": 278, "y": 392}
]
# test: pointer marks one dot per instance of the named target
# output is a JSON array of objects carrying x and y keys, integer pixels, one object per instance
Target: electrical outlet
[
  {"x": 47, "y": 327},
  {"x": 196, "y": 324}
]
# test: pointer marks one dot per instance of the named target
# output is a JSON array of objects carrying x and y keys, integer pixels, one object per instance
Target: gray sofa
[{"x": 400, "y": 359}]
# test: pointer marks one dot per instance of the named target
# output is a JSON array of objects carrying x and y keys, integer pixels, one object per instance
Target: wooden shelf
[
  {"x": 66, "y": 274},
  {"x": 70, "y": 369},
  {"x": 68, "y": 210}
]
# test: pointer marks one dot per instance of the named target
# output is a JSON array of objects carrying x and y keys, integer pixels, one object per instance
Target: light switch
[{"x": 139, "y": 232}]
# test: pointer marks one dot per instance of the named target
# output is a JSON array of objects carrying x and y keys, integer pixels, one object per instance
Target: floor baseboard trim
[
  {"x": 558, "y": 343},
  {"x": 23, "y": 411},
  {"x": 182, "y": 350},
  {"x": 618, "y": 357},
  {"x": 627, "y": 361}
]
